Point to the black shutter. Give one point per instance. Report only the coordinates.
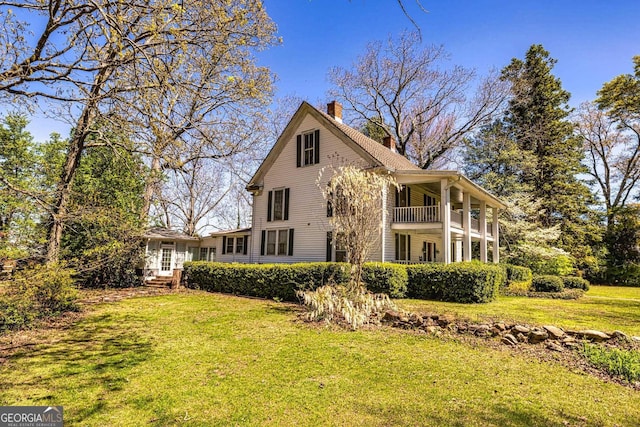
(286, 204)
(408, 196)
(329, 248)
(246, 245)
(316, 149)
(224, 245)
(263, 241)
(290, 242)
(299, 150)
(269, 205)
(408, 247)
(398, 197)
(329, 209)
(424, 200)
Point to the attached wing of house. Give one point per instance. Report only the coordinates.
(439, 216)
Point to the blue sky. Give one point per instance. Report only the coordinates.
(593, 41)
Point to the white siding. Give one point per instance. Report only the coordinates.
(307, 209)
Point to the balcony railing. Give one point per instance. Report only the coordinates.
(416, 214)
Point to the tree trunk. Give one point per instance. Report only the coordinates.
(150, 187)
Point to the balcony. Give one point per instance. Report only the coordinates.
(413, 214)
(431, 214)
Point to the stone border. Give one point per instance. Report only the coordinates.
(510, 334)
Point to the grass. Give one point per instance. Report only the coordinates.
(201, 359)
(606, 308)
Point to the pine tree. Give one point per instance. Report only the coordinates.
(537, 120)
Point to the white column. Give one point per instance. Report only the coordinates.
(458, 250)
(466, 225)
(496, 237)
(483, 231)
(445, 217)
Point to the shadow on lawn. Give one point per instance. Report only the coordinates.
(93, 359)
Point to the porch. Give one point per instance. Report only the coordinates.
(446, 209)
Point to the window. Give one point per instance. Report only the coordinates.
(229, 245)
(212, 254)
(403, 247)
(271, 242)
(165, 262)
(278, 205)
(403, 197)
(240, 245)
(428, 252)
(277, 242)
(341, 250)
(308, 148)
(204, 254)
(429, 200)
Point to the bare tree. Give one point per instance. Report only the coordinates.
(356, 200)
(612, 156)
(108, 60)
(425, 106)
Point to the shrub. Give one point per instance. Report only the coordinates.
(559, 265)
(572, 282)
(339, 305)
(35, 293)
(468, 282)
(547, 283)
(387, 278)
(518, 278)
(280, 281)
(619, 362)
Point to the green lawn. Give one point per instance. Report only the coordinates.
(207, 359)
(605, 308)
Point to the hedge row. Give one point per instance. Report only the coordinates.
(280, 281)
(468, 282)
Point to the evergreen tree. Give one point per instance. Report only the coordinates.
(537, 121)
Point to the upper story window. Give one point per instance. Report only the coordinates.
(278, 205)
(308, 148)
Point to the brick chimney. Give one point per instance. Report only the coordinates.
(390, 143)
(334, 109)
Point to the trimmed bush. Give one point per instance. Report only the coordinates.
(559, 265)
(279, 281)
(468, 282)
(572, 282)
(547, 283)
(386, 278)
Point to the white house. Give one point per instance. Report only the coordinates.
(438, 216)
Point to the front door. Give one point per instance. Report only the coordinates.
(166, 261)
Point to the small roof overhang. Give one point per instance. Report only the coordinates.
(243, 231)
(167, 234)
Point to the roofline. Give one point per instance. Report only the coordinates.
(305, 107)
(234, 231)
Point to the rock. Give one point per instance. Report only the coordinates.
(594, 335)
(462, 327)
(619, 335)
(572, 344)
(566, 340)
(496, 331)
(431, 329)
(554, 346)
(445, 319)
(391, 316)
(509, 339)
(500, 326)
(512, 340)
(536, 336)
(483, 330)
(637, 339)
(521, 337)
(554, 333)
(521, 329)
(415, 319)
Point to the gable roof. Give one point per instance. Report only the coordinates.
(376, 154)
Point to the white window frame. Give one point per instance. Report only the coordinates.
(240, 245)
(274, 211)
(230, 243)
(308, 149)
(275, 250)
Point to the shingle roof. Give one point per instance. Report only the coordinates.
(165, 233)
(235, 230)
(379, 152)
